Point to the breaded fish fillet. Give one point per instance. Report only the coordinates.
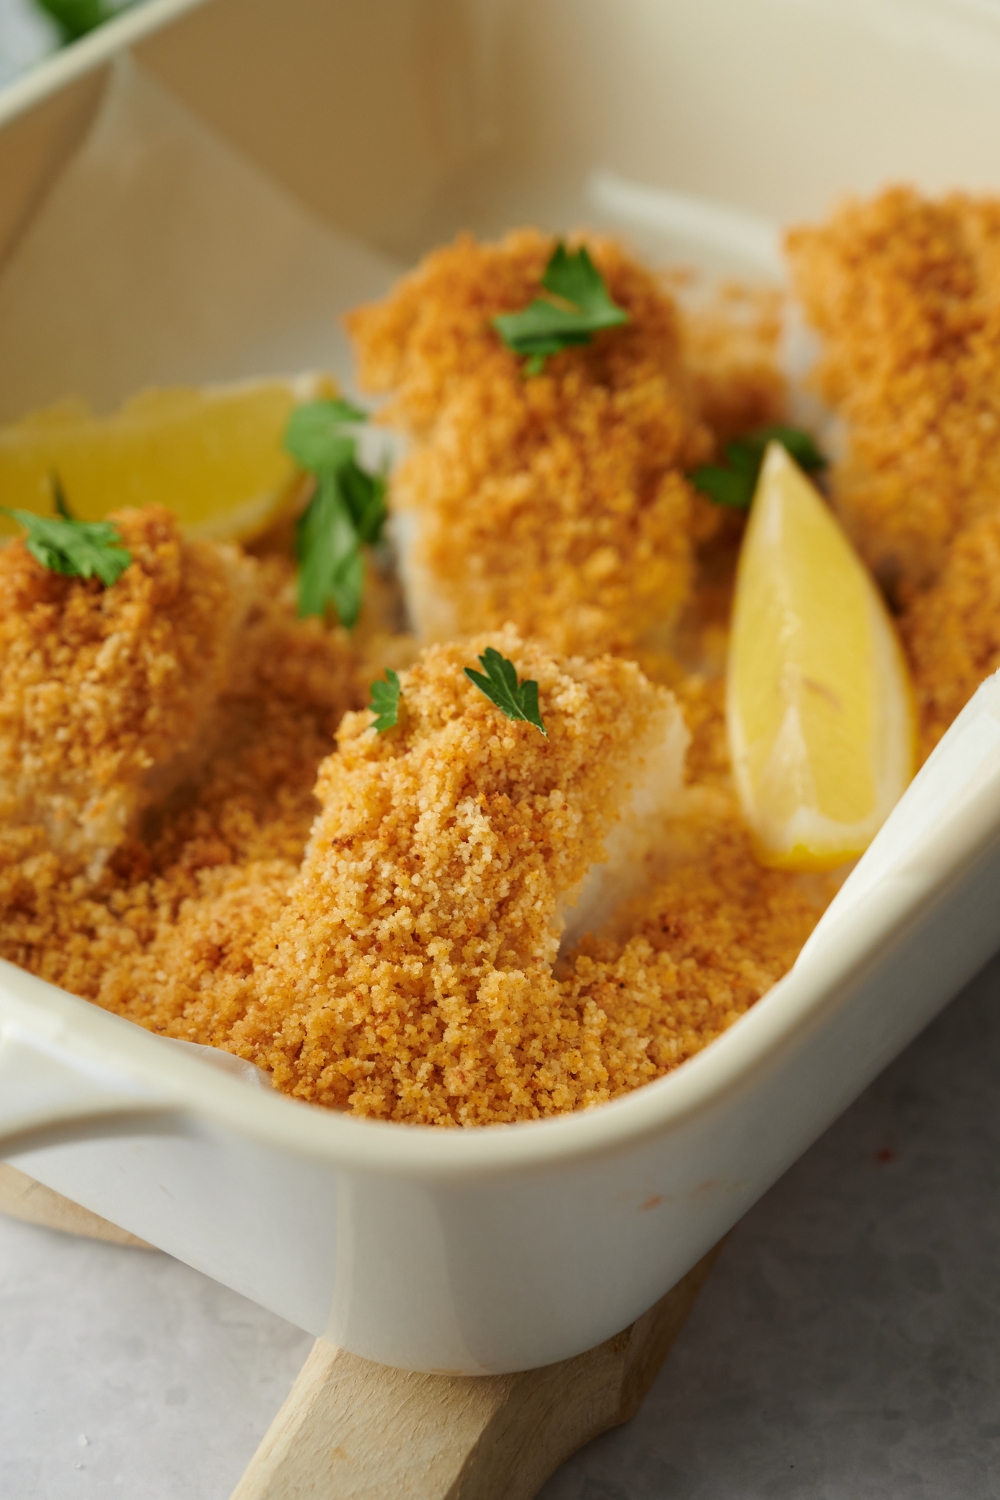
(558, 501)
(162, 936)
(106, 694)
(410, 973)
(905, 293)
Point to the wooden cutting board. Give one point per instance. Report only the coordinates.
(354, 1430)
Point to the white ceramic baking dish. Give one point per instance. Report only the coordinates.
(397, 121)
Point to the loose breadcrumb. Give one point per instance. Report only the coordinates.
(905, 292)
(557, 501)
(693, 954)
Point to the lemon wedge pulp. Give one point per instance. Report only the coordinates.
(819, 706)
(212, 455)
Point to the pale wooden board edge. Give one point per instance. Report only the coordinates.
(23, 1198)
(353, 1430)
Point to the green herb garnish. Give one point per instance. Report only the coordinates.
(77, 549)
(347, 510)
(59, 499)
(500, 685)
(386, 701)
(75, 18)
(547, 327)
(734, 483)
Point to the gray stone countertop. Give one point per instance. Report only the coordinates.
(845, 1347)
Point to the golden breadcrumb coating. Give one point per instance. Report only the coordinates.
(410, 973)
(905, 292)
(951, 630)
(557, 501)
(104, 692)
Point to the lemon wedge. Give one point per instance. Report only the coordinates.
(820, 711)
(213, 455)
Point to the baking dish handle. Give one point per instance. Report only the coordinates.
(50, 1095)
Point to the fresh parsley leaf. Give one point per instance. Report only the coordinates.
(75, 18)
(365, 496)
(315, 434)
(347, 510)
(724, 486)
(548, 326)
(59, 498)
(328, 546)
(500, 685)
(734, 483)
(386, 701)
(77, 549)
(798, 443)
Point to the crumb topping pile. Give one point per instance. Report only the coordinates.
(398, 961)
(201, 830)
